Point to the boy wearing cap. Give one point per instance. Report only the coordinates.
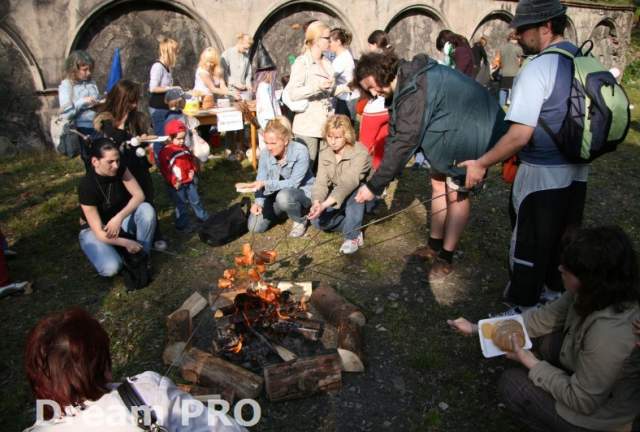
(179, 168)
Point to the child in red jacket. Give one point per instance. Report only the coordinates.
(179, 168)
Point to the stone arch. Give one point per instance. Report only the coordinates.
(413, 25)
(134, 27)
(20, 81)
(570, 32)
(606, 46)
(495, 28)
(281, 30)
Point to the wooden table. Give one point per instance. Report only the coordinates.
(210, 117)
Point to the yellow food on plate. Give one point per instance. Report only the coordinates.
(504, 330)
(487, 330)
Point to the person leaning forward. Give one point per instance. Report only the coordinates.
(549, 191)
(448, 116)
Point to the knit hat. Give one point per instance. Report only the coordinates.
(173, 127)
(536, 11)
(173, 94)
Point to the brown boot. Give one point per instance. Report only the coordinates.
(440, 269)
(424, 252)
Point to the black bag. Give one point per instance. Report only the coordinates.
(227, 225)
(136, 269)
(70, 142)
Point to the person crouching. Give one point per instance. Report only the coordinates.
(179, 168)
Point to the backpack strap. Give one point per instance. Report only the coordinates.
(135, 404)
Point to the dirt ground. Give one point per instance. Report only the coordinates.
(419, 374)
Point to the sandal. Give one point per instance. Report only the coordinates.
(440, 270)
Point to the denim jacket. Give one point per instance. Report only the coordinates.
(293, 172)
(72, 104)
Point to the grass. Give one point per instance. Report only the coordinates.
(406, 339)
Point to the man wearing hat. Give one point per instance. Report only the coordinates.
(549, 192)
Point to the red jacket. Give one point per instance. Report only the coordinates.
(177, 164)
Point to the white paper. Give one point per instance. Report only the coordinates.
(489, 349)
(230, 121)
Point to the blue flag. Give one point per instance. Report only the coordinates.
(116, 70)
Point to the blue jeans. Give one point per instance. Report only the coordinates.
(347, 218)
(503, 96)
(184, 196)
(158, 116)
(292, 202)
(104, 257)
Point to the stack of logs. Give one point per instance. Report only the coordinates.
(293, 378)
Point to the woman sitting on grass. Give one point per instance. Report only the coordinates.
(343, 164)
(112, 201)
(283, 184)
(586, 375)
(68, 365)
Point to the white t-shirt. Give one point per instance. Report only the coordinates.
(375, 106)
(199, 84)
(110, 414)
(343, 67)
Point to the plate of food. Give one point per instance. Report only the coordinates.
(152, 138)
(495, 335)
(245, 188)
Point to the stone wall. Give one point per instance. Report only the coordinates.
(37, 35)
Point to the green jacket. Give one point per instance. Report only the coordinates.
(446, 114)
(602, 389)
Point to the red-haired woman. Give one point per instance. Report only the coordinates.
(68, 365)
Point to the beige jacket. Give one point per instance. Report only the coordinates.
(304, 83)
(340, 179)
(602, 392)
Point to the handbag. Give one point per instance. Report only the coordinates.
(201, 149)
(297, 106)
(66, 140)
(227, 225)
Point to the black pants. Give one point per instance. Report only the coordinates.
(529, 404)
(542, 220)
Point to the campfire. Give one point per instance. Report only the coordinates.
(285, 337)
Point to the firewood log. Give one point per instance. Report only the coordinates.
(334, 308)
(303, 377)
(350, 347)
(179, 326)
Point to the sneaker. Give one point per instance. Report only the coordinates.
(350, 246)
(16, 287)
(298, 229)
(547, 295)
(160, 245)
(517, 310)
(10, 253)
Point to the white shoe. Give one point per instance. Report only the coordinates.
(15, 287)
(517, 310)
(298, 229)
(160, 245)
(547, 295)
(350, 246)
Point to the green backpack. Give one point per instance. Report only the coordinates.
(598, 115)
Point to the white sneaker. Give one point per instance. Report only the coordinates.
(15, 287)
(547, 295)
(351, 246)
(298, 229)
(160, 245)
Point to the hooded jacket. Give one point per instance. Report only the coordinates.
(446, 114)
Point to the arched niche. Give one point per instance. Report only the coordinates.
(495, 27)
(19, 82)
(414, 31)
(134, 27)
(282, 31)
(606, 46)
(570, 32)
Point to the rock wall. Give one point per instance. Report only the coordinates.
(37, 35)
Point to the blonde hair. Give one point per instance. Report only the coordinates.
(75, 61)
(341, 122)
(280, 126)
(313, 33)
(209, 59)
(167, 49)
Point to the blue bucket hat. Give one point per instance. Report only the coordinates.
(536, 11)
